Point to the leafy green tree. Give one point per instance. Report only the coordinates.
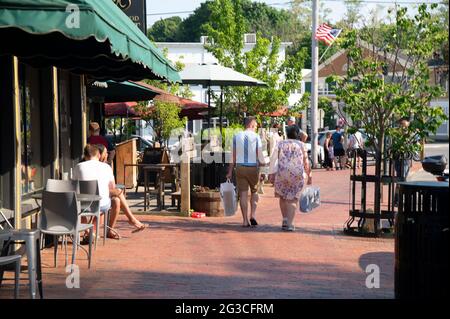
(326, 104)
(377, 92)
(259, 17)
(270, 22)
(165, 30)
(164, 117)
(227, 28)
(191, 28)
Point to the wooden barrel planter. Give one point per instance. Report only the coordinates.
(208, 202)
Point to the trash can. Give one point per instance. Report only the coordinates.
(422, 241)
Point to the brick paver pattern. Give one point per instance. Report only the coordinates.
(179, 257)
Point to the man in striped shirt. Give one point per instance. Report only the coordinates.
(247, 157)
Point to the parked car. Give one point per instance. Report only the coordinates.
(320, 151)
(141, 143)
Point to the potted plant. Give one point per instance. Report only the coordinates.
(207, 200)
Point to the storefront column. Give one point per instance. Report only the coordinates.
(17, 145)
(56, 164)
(83, 112)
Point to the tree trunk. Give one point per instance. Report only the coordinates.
(378, 185)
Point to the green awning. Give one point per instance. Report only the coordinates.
(106, 45)
(112, 91)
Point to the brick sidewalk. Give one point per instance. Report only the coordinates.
(179, 257)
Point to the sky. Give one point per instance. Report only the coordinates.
(183, 8)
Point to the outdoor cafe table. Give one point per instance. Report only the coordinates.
(159, 170)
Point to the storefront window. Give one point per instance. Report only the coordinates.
(30, 125)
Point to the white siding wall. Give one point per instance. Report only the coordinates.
(442, 132)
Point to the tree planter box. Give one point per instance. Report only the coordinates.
(208, 202)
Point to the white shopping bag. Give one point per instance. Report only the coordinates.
(229, 201)
(309, 199)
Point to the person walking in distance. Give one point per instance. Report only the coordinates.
(247, 156)
(338, 148)
(356, 147)
(328, 152)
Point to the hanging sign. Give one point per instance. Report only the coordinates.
(136, 10)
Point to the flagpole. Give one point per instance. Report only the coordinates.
(323, 54)
(329, 46)
(314, 83)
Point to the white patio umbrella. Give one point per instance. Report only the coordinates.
(209, 75)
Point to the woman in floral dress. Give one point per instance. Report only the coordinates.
(288, 164)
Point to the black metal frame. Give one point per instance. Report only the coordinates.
(360, 215)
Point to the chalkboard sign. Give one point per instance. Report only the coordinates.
(136, 11)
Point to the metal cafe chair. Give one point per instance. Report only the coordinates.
(92, 209)
(57, 185)
(59, 217)
(29, 237)
(6, 260)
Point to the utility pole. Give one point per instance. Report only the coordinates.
(314, 83)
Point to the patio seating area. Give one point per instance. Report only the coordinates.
(179, 257)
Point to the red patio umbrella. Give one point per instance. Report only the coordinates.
(120, 109)
(189, 108)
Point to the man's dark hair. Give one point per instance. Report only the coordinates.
(248, 120)
(293, 132)
(90, 151)
(338, 127)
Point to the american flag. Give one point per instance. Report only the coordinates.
(327, 34)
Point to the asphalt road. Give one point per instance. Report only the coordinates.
(436, 149)
(430, 150)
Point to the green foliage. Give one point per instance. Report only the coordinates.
(165, 30)
(301, 105)
(326, 104)
(190, 29)
(165, 118)
(375, 97)
(259, 17)
(227, 28)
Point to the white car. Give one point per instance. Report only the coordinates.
(320, 152)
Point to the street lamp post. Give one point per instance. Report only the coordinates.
(314, 83)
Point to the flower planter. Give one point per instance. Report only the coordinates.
(208, 202)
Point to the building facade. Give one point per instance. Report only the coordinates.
(44, 74)
(195, 53)
(338, 63)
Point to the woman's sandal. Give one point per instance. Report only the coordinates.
(113, 235)
(85, 239)
(138, 229)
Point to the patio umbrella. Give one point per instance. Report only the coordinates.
(120, 109)
(209, 75)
